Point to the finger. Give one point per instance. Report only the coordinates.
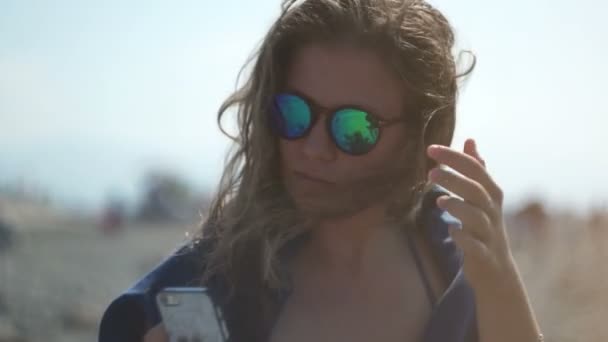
(468, 189)
(473, 220)
(470, 148)
(468, 166)
(470, 246)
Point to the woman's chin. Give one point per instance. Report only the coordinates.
(326, 207)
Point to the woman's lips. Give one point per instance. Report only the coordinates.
(308, 177)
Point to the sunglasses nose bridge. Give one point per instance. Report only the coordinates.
(320, 112)
(318, 143)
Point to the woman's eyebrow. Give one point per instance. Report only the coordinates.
(308, 97)
(292, 89)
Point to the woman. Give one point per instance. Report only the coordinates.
(331, 223)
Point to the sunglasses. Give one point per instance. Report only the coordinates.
(355, 131)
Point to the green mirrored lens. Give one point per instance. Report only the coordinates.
(293, 115)
(353, 131)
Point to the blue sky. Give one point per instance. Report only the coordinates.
(94, 93)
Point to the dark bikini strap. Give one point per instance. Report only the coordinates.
(420, 267)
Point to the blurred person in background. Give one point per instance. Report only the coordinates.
(6, 232)
(332, 222)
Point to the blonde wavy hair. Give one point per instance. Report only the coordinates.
(251, 217)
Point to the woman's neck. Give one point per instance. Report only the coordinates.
(350, 247)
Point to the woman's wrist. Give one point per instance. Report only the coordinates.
(504, 309)
(504, 279)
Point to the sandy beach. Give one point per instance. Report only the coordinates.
(55, 283)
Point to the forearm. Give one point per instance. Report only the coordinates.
(504, 313)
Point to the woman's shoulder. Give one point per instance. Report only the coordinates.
(130, 314)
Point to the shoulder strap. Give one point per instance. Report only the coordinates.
(420, 267)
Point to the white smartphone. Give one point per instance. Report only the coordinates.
(189, 315)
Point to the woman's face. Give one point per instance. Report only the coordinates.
(331, 76)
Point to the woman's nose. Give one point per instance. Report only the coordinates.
(318, 144)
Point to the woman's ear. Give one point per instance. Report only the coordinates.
(439, 130)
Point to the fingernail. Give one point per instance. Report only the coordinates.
(475, 145)
(441, 201)
(432, 150)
